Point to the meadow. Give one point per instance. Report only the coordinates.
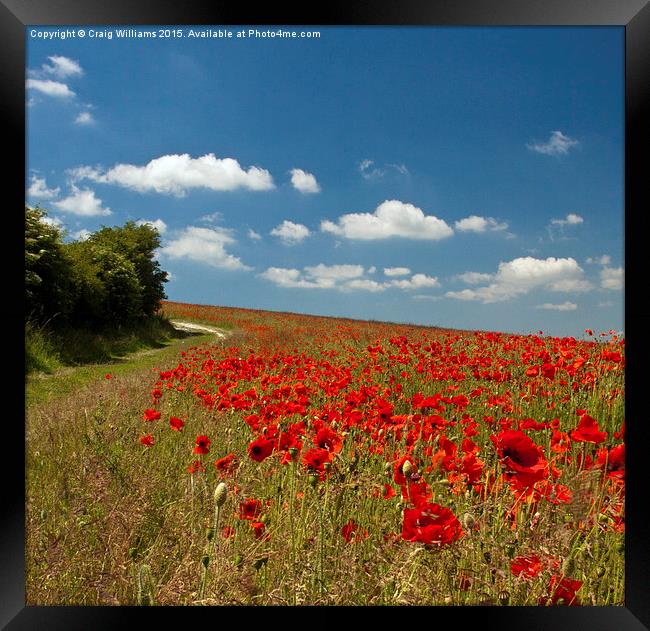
(322, 461)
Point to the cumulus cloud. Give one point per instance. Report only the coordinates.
(38, 189)
(565, 306)
(62, 67)
(612, 278)
(254, 235)
(50, 88)
(304, 182)
(175, 174)
(83, 203)
(474, 278)
(397, 271)
(313, 277)
(291, 233)
(84, 118)
(204, 245)
(557, 144)
(392, 218)
(158, 224)
(475, 223)
(344, 278)
(524, 274)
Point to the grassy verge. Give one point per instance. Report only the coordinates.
(47, 349)
(58, 363)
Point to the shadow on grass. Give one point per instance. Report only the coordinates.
(48, 349)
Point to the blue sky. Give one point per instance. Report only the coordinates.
(460, 177)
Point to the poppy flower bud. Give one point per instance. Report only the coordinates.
(293, 452)
(504, 597)
(388, 469)
(468, 521)
(313, 479)
(600, 571)
(407, 468)
(510, 550)
(220, 494)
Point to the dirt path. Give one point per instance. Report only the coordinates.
(191, 327)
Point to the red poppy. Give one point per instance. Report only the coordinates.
(261, 448)
(316, 458)
(196, 466)
(327, 438)
(202, 445)
(526, 566)
(227, 464)
(351, 531)
(147, 440)
(588, 431)
(176, 424)
(151, 415)
(522, 458)
(258, 529)
(615, 461)
(250, 509)
(431, 523)
(562, 589)
(108, 375)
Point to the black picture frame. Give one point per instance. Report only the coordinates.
(633, 15)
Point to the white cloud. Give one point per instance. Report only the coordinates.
(62, 67)
(291, 233)
(372, 269)
(52, 221)
(38, 189)
(521, 275)
(612, 278)
(370, 172)
(570, 220)
(254, 235)
(417, 281)
(557, 144)
(364, 284)
(175, 174)
(341, 277)
(81, 235)
(565, 306)
(474, 223)
(204, 245)
(158, 224)
(313, 277)
(304, 182)
(397, 271)
(82, 202)
(366, 170)
(605, 259)
(84, 118)
(392, 218)
(474, 278)
(214, 217)
(50, 88)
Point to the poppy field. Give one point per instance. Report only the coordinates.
(323, 461)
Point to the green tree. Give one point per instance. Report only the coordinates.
(47, 269)
(138, 244)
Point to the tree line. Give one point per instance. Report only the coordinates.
(110, 278)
